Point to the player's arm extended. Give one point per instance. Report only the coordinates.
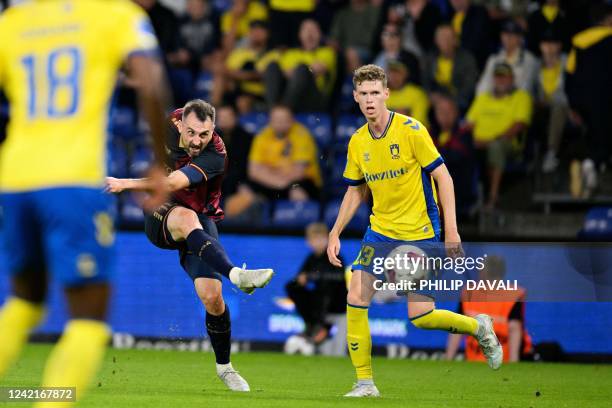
(177, 180)
(350, 203)
(446, 194)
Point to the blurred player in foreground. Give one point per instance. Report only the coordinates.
(405, 210)
(58, 76)
(196, 164)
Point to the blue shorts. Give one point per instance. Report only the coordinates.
(375, 237)
(156, 229)
(363, 261)
(67, 232)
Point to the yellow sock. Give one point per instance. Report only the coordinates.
(446, 320)
(359, 340)
(75, 359)
(17, 318)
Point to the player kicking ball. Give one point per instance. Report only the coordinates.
(404, 211)
(196, 162)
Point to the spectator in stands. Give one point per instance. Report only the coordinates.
(523, 63)
(240, 202)
(236, 21)
(319, 287)
(391, 40)
(551, 106)
(176, 58)
(404, 97)
(589, 89)
(286, 18)
(200, 35)
(245, 65)
(498, 118)
(450, 69)
(238, 144)
(418, 20)
(500, 10)
(507, 308)
(473, 28)
(353, 32)
(454, 142)
(549, 17)
(283, 161)
(304, 77)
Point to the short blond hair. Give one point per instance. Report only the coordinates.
(316, 228)
(369, 72)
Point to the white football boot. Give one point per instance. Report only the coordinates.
(232, 378)
(363, 390)
(488, 342)
(247, 280)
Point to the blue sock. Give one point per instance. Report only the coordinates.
(208, 249)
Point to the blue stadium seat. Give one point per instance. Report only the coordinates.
(347, 125)
(253, 122)
(597, 224)
(130, 213)
(181, 80)
(142, 157)
(222, 5)
(335, 185)
(319, 125)
(289, 214)
(203, 85)
(346, 102)
(123, 123)
(359, 223)
(116, 160)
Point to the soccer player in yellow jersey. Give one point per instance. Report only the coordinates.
(394, 157)
(59, 61)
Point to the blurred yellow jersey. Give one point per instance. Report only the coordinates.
(58, 66)
(396, 167)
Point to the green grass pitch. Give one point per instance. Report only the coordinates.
(146, 378)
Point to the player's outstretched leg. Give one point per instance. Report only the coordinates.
(358, 336)
(184, 224)
(424, 315)
(218, 327)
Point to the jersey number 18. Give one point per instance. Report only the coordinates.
(62, 70)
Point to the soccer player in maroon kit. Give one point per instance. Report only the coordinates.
(196, 161)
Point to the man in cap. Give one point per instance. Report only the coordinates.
(513, 53)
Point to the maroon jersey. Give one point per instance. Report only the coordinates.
(203, 196)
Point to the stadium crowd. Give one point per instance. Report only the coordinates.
(503, 86)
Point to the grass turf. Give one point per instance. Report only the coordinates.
(146, 378)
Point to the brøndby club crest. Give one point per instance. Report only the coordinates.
(395, 152)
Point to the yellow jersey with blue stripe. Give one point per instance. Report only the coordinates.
(58, 67)
(396, 167)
